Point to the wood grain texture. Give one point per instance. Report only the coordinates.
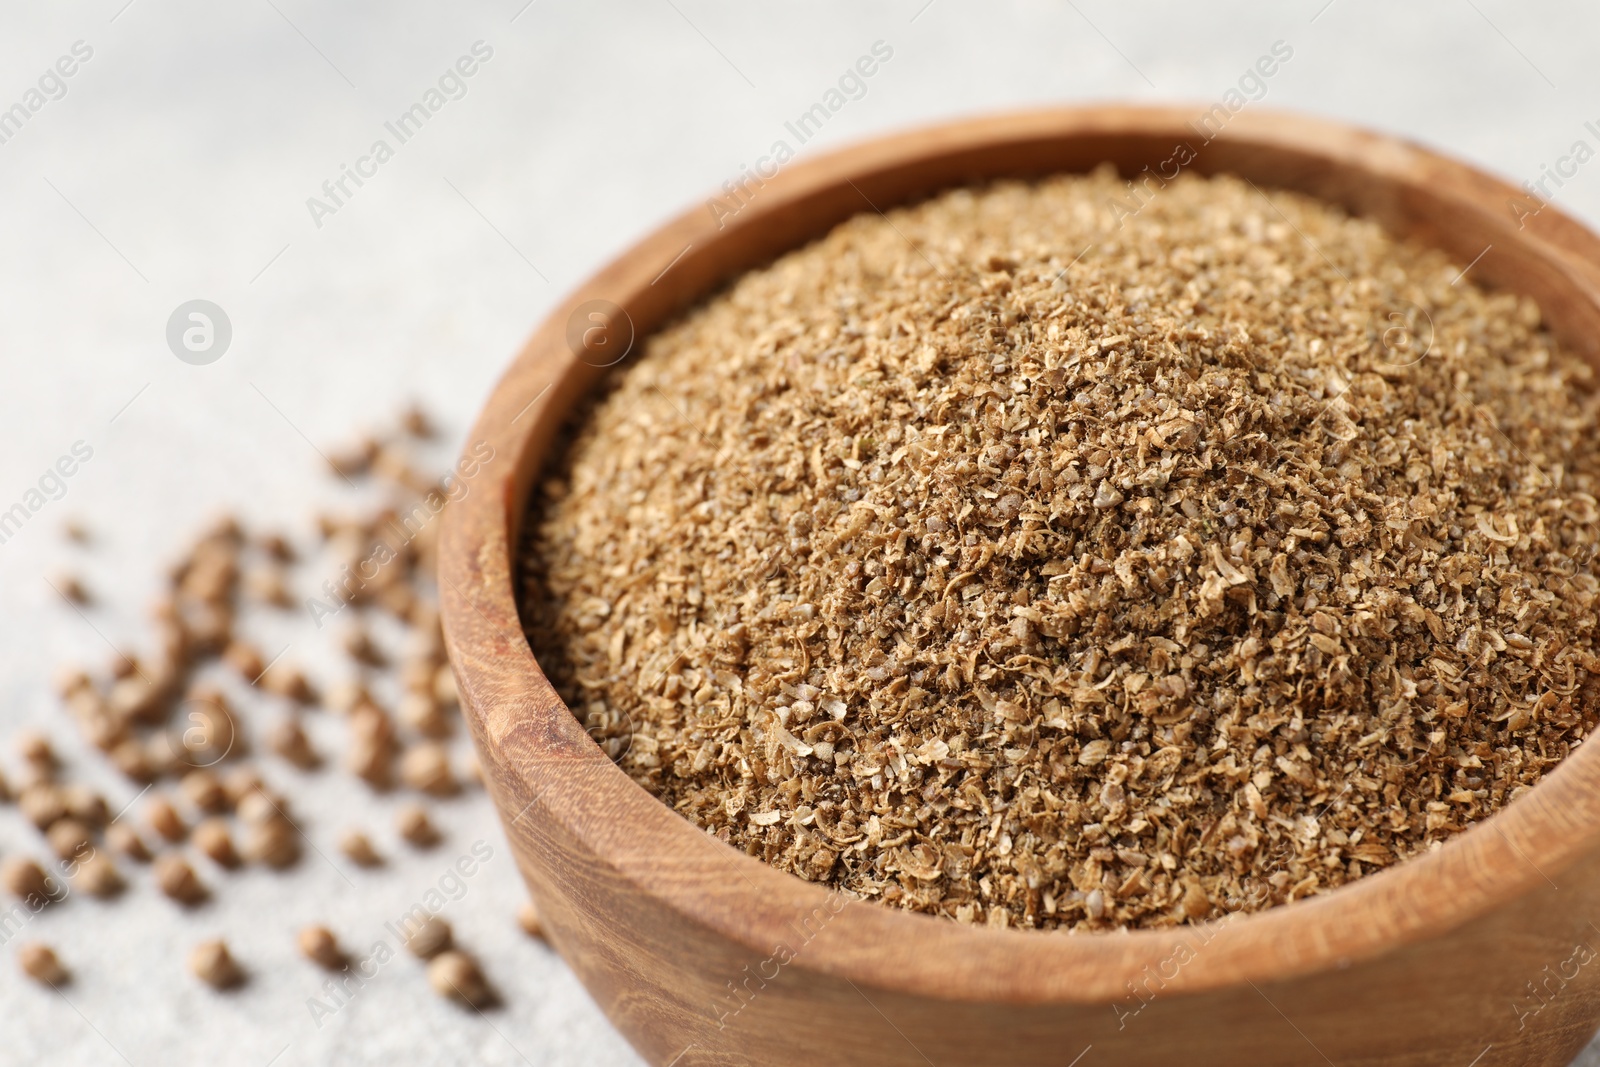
(702, 955)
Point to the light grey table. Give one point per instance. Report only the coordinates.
(179, 161)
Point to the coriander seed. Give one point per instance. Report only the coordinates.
(358, 847)
(425, 767)
(68, 837)
(85, 805)
(35, 748)
(288, 739)
(528, 919)
(177, 880)
(125, 840)
(39, 962)
(318, 944)
(428, 937)
(211, 837)
(130, 758)
(456, 975)
(98, 876)
(413, 824)
(205, 791)
(27, 881)
(42, 804)
(164, 819)
(422, 713)
(273, 842)
(213, 964)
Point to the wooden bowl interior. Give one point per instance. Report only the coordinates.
(541, 761)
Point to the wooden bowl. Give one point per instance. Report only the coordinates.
(1476, 954)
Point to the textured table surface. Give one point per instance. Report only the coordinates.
(177, 162)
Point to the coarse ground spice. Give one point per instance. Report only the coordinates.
(1244, 555)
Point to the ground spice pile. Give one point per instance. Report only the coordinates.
(963, 568)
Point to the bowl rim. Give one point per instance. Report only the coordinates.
(543, 748)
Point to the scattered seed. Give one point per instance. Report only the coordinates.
(422, 713)
(273, 842)
(278, 547)
(358, 847)
(318, 944)
(26, 880)
(98, 876)
(261, 805)
(415, 422)
(426, 767)
(68, 837)
(212, 837)
(456, 975)
(393, 465)
(288, 739)
(348, 695)
(213, 964)
(178, 880)
(355, 461)
(267, 585)
(398, 599)
(70, 681)
(132, 719)
(130, 758)
(85, 805)
(371, 750)
(164, 819)
(288, 681)
(42, 804)
(240, 783)
(205, 791)
(133, 699)
(444, 686)
(125, 841)
(39, 962)
(425, 646)
(528, 919)
(358, 646)
(72, 588)
(413, 824)
(169, 755)
(428, 937)
(417, 675)
(245, 659)
(35, 748)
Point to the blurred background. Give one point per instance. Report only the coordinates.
(197, 151)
